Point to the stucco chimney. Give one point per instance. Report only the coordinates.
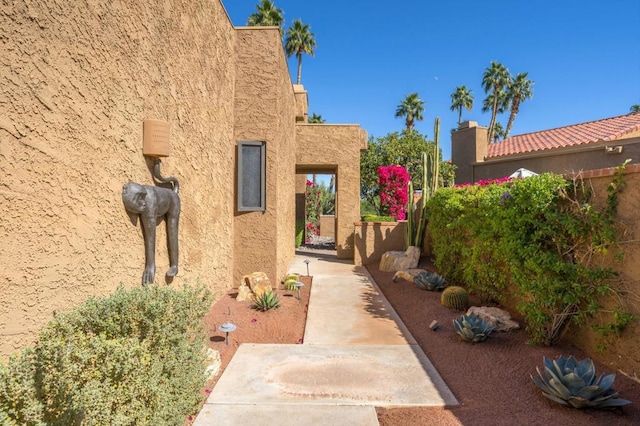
(468, 146)
(302, 103)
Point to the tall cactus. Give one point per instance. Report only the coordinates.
(416, 213)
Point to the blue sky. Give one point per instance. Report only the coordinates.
(584, 57)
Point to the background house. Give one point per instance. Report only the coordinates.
(585, 146)
(77, 81)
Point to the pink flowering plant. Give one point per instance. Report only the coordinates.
(486, 182)
(312, 211)
(393, 181)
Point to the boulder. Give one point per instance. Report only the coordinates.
(397, 260)
(258, 282)
(244, 293)
(497, 317)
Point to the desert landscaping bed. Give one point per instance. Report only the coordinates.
(491, 380)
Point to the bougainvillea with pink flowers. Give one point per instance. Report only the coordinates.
(486, 182)
(393, 181)
(312, 211)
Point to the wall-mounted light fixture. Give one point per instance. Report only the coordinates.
(613, 149)
(156, 138)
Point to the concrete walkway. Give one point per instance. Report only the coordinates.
(357, 355)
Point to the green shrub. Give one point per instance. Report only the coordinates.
(136, 357)
(299, 233)
(540, 235)
(375, 218)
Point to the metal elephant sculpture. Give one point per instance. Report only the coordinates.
(152, 204)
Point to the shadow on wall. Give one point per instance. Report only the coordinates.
(373, 239)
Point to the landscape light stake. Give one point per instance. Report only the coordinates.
(297, 285)
(307, 261)
(227, 327)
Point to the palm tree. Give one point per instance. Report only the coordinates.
(316, 119)
(494, 81)
(519, 90)
(461, 98)
(299, 40)
(267, 15)
(499, 101)
(412, 108)
(498, 132)
(635, 108)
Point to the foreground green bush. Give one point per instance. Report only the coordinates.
(134, 358)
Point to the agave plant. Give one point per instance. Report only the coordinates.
(267, 300)
(570, 382)
(429, 281)
(473, 328)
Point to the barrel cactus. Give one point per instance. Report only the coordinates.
(455, 297)
(570, 382)
(473, 328)
(290, 280)
(429, 281)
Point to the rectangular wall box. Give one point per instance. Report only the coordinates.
(156, 138)
(252, 176)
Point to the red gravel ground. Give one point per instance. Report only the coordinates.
(491, 380)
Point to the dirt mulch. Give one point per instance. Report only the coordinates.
(491, 380)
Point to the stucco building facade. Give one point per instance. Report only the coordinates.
(584, 146)
(77, 82)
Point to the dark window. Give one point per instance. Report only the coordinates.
(251, 176)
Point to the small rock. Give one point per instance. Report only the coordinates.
(407, 274)
(497, 317)
(434, 325)
(213, 363)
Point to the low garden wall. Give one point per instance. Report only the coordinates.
(372, 239)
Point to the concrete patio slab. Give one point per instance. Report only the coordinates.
(377, 375)
(287, 415)
(351, 310)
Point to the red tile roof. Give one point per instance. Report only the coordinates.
(607, 129)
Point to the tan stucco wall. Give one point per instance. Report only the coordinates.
(373, 239)
(468, 145)
(327, 226)
(76, 82)
(265, 111)
(335, 147)
(624, 350)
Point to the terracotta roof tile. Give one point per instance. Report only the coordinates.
(607, 129)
